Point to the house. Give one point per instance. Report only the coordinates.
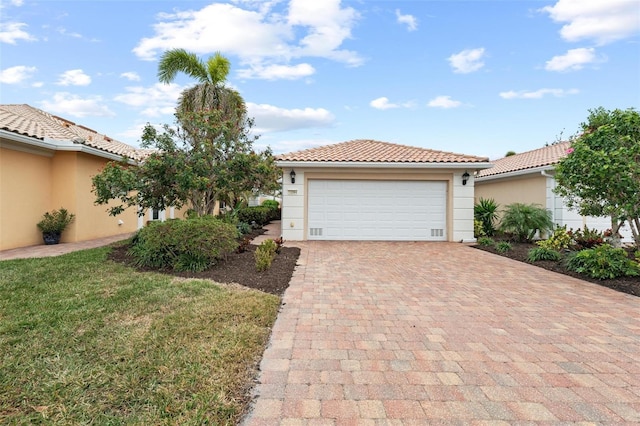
(529, 178)
(47, 162)
(372, 190)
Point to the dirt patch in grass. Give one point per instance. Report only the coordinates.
(519, 251)
(238, 268)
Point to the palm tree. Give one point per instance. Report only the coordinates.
(210, 93)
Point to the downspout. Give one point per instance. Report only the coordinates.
(553, 210)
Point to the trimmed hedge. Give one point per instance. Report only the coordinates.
(184, 245)
(259, 214)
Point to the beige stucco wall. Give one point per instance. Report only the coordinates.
(521, 189)
(24, 197)
(460, 198)
(32, 183)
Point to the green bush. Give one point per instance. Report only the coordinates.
(184, 245)
(524, 220)
(603, 262)
(486, 241)
(243, 228)
(486, 211)
(543, 253)
(56, 221)
(503, 247)
(258, 214)
(560, 239)
(275, 208)
(264, 254)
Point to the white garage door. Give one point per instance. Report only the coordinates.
(376, 210)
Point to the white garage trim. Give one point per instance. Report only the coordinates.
(388, 210)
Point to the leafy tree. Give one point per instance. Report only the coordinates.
(600, 176)
(207, 156)
(188, 168)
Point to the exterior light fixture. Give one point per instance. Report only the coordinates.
(293, 176)
(465, 177)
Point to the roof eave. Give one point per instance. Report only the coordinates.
(516, 173)
(386, 165)
(47, 147)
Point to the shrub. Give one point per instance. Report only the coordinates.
(478, 230)
(264, 254)
(486, 211)
(184, 245)
(524, 220)
(275, 208)
(486, 241)
(243, 228)
(543, 253)
(603, 262)
(560, 239)
(503, 247)
(56, 221)
(587, 238)
(258, 214)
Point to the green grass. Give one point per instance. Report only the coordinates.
(88, 341)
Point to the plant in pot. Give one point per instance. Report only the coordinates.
(53, 223)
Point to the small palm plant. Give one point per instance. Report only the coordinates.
(486, 211)
(524, 220)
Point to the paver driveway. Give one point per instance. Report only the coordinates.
(423, 333)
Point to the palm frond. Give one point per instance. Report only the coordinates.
(179, 60)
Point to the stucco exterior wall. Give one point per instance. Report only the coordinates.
(24, 197)
(526, 190)
(32, 183)
(459, 198)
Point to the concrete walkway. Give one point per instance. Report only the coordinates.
(374, 333)
(58, 249)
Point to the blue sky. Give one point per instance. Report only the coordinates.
(473, 77)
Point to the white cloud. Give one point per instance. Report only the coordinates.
(70, 104)
(17, 74)
(275, 72)
(383, 103)
(131, 76)
(74, 78)
(469, 60)
(261, 38)
(409, 20)
(574, 59)
(269, 118)
(443, 102)
(597, 20)
(538, 94)
(155, 101)
(10, 32)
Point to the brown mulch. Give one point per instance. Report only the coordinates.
(239, 268)
(519, 251)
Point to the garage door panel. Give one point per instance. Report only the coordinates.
(376, 210)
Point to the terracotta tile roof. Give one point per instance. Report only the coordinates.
(33, 122)
(370, 151)
(540, 157)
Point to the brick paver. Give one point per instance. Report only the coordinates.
(415, 333)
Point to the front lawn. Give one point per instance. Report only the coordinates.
(84, 340)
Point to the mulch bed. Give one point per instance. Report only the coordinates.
(239, 268)
(519, 251)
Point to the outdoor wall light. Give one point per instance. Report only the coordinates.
(465, 177)
(293, 176)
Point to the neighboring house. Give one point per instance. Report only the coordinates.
(47, 162)
(529, 178)
(371, 190)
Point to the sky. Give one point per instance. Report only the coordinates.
(472, 77)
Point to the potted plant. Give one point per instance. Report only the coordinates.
(53, 223)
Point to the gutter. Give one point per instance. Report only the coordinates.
(37, 146)
(380, 165)
(542, 169)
